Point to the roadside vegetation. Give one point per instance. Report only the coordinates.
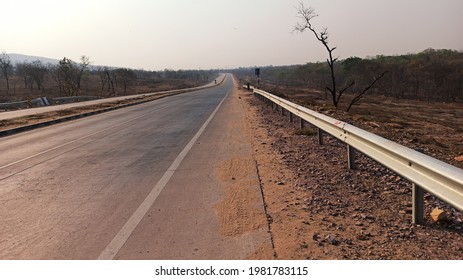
(32, 79)
(414, 99)
(418, 103)
(431, 75)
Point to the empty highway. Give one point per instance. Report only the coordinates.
(143, 182)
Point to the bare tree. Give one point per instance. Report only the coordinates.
(6, 67)
(22, 70)
(37, 72)
(111, 75)
(125, 76)
(54, 71)
(69, 74)
(307, 15)
(84, 63)
(103, 77)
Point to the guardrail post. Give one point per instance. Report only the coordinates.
(418, 204)
(302, 123)
(320, 136)
(350, 157)
(291, 117)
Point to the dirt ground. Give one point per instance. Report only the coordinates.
(91, 86)
(319, 209)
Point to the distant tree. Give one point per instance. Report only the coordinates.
(84, 63)
(54, 71)
(6, 68)
(37, 72)
(126, 77)
(103, 76)
(112, 77)
(68, 74)
(22, 70)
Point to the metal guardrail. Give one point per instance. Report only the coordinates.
(426, 173)
(14, 105)
(72, 99)
(45, 101)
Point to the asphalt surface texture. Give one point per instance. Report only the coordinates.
(136, 183)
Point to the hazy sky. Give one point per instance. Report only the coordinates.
(193, 34)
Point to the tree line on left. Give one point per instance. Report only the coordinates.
(70, 78)
(67, 75)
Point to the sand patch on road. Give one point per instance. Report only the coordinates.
(240, 211)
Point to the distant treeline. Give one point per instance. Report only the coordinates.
(429, 75)
(69, 78)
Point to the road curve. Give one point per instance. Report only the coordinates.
(68, 191)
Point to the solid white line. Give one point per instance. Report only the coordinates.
(123, 235)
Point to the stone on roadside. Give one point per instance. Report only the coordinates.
(374, 124)
(332, 240)
(395, 125)
(438, 215)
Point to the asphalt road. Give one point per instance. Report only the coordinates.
(135, 183)
(41, 110)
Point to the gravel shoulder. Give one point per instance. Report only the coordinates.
(319, 209)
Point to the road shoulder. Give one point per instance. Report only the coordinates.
(212, 207)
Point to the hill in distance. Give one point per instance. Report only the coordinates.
(19, 58)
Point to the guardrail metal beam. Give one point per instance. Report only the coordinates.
(426, 173)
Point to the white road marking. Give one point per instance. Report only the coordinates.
(123, 235)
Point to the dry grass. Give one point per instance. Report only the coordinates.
(91, 86)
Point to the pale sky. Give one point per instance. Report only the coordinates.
(204, 34)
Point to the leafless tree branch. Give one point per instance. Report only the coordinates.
(365, 90)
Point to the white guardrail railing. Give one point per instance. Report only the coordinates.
(426, 173)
